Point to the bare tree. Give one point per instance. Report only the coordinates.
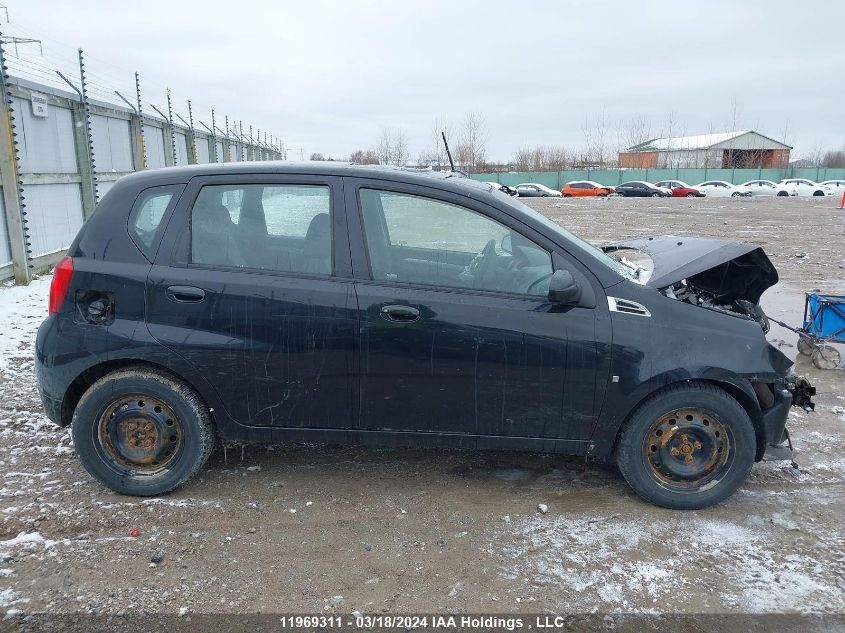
(786, 134)
(835, 158)
(634, 131)
(401, 154)
(384, 148)
(595, 140)
(470, 151)
(816, 155)
(392, 148)
(364, 157)
(521, 161)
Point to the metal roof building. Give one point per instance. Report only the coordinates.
(741, 149)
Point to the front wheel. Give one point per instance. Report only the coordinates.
(687, 447)
(782, 193)
(690, 195)
(655, 195)
(736, 194)
(142, 432)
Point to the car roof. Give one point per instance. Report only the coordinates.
(453, 181)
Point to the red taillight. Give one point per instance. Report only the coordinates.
(61, 282)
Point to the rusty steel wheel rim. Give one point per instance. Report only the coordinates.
(140, 433)
(688, 449)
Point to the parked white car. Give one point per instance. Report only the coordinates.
(836, 186)
(503, 188)
(536, 190)
(767, 188)
(723, 189)
(805, 187)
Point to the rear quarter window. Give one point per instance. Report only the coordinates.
(148, 217)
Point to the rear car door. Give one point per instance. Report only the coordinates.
(253, 288)
(457, 333)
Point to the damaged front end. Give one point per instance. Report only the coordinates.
(723, 276)
(726, 277)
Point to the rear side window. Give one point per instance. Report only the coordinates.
(284, 228)
(148, 212)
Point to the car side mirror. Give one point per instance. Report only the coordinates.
(563, 288)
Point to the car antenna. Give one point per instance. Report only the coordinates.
(449, 155)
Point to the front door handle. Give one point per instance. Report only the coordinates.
(185, 294)
(400, 313)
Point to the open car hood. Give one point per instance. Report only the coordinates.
(729, 271)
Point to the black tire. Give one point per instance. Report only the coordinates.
(736, 194)
(142, 432)
(782, 193)
(818, 193)
(656, 195)
(720, 428)
(690, 195)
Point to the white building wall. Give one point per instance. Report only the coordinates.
(5, 246)
(54, 215)
(181, 148)
(202, 149)
(154, 143)
(46, 145)
(112, 144)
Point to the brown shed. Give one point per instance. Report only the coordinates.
(744, 149)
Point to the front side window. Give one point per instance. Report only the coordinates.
(413, 239)
(284, 228)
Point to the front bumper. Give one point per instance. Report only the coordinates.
(794, 391)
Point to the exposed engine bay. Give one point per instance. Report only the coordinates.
(724, 276)
(688, 293)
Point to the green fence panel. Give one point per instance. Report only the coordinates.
(613, 177)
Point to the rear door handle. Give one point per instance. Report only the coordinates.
(185, 294)
(402, 314)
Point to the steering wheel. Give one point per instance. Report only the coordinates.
(537, 281)
(483, 262)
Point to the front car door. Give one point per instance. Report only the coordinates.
(457, 333)
(253, 288)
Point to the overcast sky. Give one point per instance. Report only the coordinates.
(329, 76)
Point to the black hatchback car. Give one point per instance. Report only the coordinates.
(270, 302)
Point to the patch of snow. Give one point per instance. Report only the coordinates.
(28, 538)
(682, 563)
(22, 308)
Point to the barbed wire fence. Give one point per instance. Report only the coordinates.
(70, 130)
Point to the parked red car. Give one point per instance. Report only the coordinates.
(680, 189)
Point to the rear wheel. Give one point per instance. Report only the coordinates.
(736, 194)
(818, 193)
(690, 195)
(140, 431)
(782, 193)
(655, 195)
(687, 447)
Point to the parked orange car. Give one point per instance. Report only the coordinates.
(578, 188)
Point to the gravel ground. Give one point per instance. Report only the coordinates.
(338, 530)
